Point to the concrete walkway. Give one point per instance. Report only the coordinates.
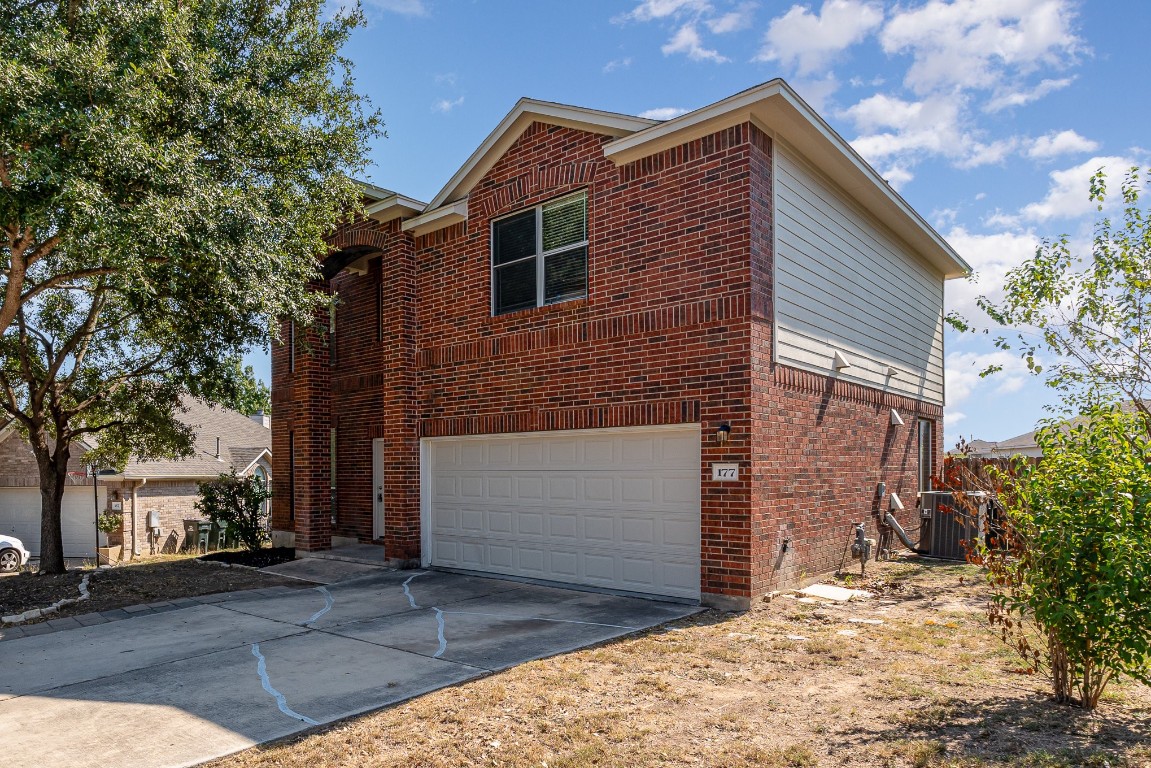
(179, 687)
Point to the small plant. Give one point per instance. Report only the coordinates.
(239, 503)
(109, 521)
(1069, 559)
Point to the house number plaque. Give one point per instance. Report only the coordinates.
(724, 472)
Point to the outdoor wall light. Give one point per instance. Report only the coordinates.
(723, 433)
(896, 419)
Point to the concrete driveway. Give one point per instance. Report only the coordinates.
(182, 687)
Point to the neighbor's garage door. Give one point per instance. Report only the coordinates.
(20, 517)
(616, 508)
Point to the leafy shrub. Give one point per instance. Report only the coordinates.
(239, 502)
(1070, 565)
(109, 521)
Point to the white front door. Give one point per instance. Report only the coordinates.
(377, 488)
(614, 508)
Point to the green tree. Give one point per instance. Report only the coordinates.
(1071, 564)
(168, 172)
(238, 502)
(1091, 315)
(245, 393)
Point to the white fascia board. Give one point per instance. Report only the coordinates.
(394, 207)
(372, 192)
(776, 109)
(438, 218)
(266, 452)
(525, 112)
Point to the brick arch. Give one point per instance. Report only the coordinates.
(354, 240)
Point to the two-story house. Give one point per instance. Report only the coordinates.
(669, 358)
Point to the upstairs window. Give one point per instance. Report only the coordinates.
(539, 256)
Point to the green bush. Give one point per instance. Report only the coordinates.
(1071, 568)
(239, 502)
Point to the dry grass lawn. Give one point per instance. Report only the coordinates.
(784, 685)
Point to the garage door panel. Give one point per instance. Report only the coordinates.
(599, 529)
(563, 488)
(563, 526)
(612, 508)
(530, 524)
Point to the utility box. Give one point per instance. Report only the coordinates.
(946, 526)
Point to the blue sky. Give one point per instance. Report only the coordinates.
(988, 115)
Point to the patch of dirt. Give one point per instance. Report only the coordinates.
(261, 558)
(27, 590)
(149, 581)
(930, 687)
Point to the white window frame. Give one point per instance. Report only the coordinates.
(540, 254)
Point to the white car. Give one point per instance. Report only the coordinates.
(12, 553)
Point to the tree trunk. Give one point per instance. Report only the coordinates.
(52, 462)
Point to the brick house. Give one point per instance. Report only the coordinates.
(668, 358)
(224, 439)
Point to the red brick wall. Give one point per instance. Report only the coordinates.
(301, 414)
(676, 328)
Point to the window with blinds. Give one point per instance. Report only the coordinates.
(539, 256)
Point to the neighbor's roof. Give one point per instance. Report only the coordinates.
(773, 106)
(243, 442)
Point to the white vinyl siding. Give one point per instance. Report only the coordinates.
(611, 508)
(844, 283)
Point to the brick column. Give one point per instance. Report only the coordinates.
(301, 421)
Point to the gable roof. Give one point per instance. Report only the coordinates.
(524, 113)
(773, 107)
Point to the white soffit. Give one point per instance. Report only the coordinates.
(777, 110)
(525, 112)
(438, 218)
(394, 207)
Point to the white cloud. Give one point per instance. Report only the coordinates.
(615, 64)
(447, 78)
(663, 113)
(951, 418)
(961, 374)
(446, 105)
(402, 7)
(687, 41)
(1017, 98)
(649, 10)
(977, 153)
(1062, 143)
(1067, 194)
(897, 176)
(991, 257)
(980, 43)
(894, 127)
(808, 41)
(733, 21)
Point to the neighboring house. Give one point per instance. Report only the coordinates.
(1026, 444)
(1020, 445)
(20, 497)
(654, 357)
(224, 439)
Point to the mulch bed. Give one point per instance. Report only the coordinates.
(153, 580)
(261, 558)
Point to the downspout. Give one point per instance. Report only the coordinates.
(135, 541)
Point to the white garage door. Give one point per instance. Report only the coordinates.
(613, 508)
(20, 517)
